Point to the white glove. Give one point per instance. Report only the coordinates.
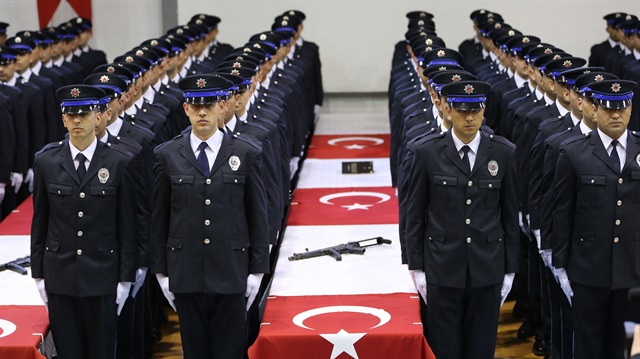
(546, 257)
(420, 282)
(506, 287)
(141, 274)
(564, 282)
(1, 194)
(16, 181)
(520, 222)
(42, 291)
(270, 247)
(253, 284)
(536, 233)
(163, 280)
(293, 165)
(28, 179)
(122, 293)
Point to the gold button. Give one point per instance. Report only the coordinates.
(208, 181)
(616, 240)
(207, 241)
(207, 202)
(81, 194)
(470, 183)
(79, 251)
(80, 214)
(80, 233)
(620, 180)
(467, 221)
(207, 222)
(468, 202)
(468, 239)
(619, 203)
(617, 222)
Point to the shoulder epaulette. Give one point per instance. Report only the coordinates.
(502, 140)
(51, 145)
(168, 142)
(247, 140)
(574, 139)
(635, 133)
(119, 148)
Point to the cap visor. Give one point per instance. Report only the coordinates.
(615, 105)
(74, 110)
(467, 106)
(208, 100)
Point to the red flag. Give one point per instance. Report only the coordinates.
(47, 9)
(17, 328)
(349, 146)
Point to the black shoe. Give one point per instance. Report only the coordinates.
(541, 348)
(525, 331)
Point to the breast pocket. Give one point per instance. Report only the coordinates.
(180, 185)
(490, 189)
(443, 190)
(592, 189)
(59, 194)
(234, 186)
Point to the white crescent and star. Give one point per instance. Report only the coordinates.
(343, 341)
(375, 140)
(328, 198)
(7, 328)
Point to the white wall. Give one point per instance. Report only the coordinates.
(356, 37)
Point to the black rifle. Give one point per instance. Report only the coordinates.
(337, 251)
(17, 265)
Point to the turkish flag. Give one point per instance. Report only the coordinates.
(18, 323)
(19, 221)
(47, 9)
(341, 326)
(349, 146)
(356, 205)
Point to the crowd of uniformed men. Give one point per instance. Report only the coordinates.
(178, 159)
(510, 131)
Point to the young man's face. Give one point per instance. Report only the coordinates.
(81, 126)
(205, 118)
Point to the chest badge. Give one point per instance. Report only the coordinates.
(638, 160)
(493, 168)
(234, 163)
(103, 175)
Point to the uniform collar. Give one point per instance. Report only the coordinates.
(583, 128)
(574, 119)
(519, 80)
(473, 145)
(115, 127)
(612, 43)
(36, 68)
(232, 123)
(563, 111)
(88, 152)
(214, 141)
(606, 140)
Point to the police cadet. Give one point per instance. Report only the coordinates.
(83, 240)
(211, 259)
(462, 227)
(3, 32)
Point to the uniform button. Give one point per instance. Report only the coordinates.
(620, 180)
(58, 192)
(616, 240)
(444, 183)
(81, 194)
(619, 203)
(208, 181)
(467, 221)
(207, 241)
(468, 202)
(235, 181)
(80, 233)
(80, 214)
(592, 181)
(490, 185)
(617, 222)
(79, 251)
(470, 183)
(581, 239)
(468, 239)
(207, 202)
(207, 222)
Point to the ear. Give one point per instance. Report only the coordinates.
(565, 93)
(580, 103)
(186, 108)
(447, 111)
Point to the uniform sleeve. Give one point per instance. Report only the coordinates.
(565, 199)
(256, 211)
(509, 216)
(39, 222)
(160, 218)
(417, 184)
(127, 239)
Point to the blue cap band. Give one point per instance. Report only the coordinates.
(466, 99)
(189, 94)
(21, 47)
(114, 88)
(72, 103)
(622, 97)
(443, 62)
(104, 100)
(7, 56)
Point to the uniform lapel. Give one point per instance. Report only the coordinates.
(226, 148)
(67, 162)
(187, 152)
(452, 153)
(599, 150)
(485, 149)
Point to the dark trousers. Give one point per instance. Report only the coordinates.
(134, 326)
(463, 322)
(83, 327)
(598, 321)
(212, 325)
(561, 320)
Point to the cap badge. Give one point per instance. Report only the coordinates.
(234, 163)
(567, 64)
(428, 48)
(263, 37)
(599, 78)
(235, 72)
(284, 23)
(201, 82)
(27, 34)
(420, 22)
(292, 12)
(422, 33)
(239, 58)
(428, 41)
(111, 69)
(618, 15)
(246, 49)
(525, 40)
(79, 21)
(129, 59)
(180, 31)
(628, 17)
(18, 40)
(586, 72)
(493, 168)
(139, 53)
(198, 22)
(557, 56)
(441, 53)
(456, 78)
(75, 92)
(512, 33)
(422, 14)
(489, 15)
(202, 16)
(154, 43)
(468, 89)
(237, 65)
(103, 175)
(482, 11)
(497, 26)
(547, 51)
(257, 46)
(104, 79)
(616, 87)
(285, 17)
(442, 68)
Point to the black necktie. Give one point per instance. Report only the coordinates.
(465, 158)
(20, 79)
(203, 160)
(615, 159)
(82, 170)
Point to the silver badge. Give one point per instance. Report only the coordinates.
(234, 163)
(103, 175)
(493, 168)
(638, 160)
